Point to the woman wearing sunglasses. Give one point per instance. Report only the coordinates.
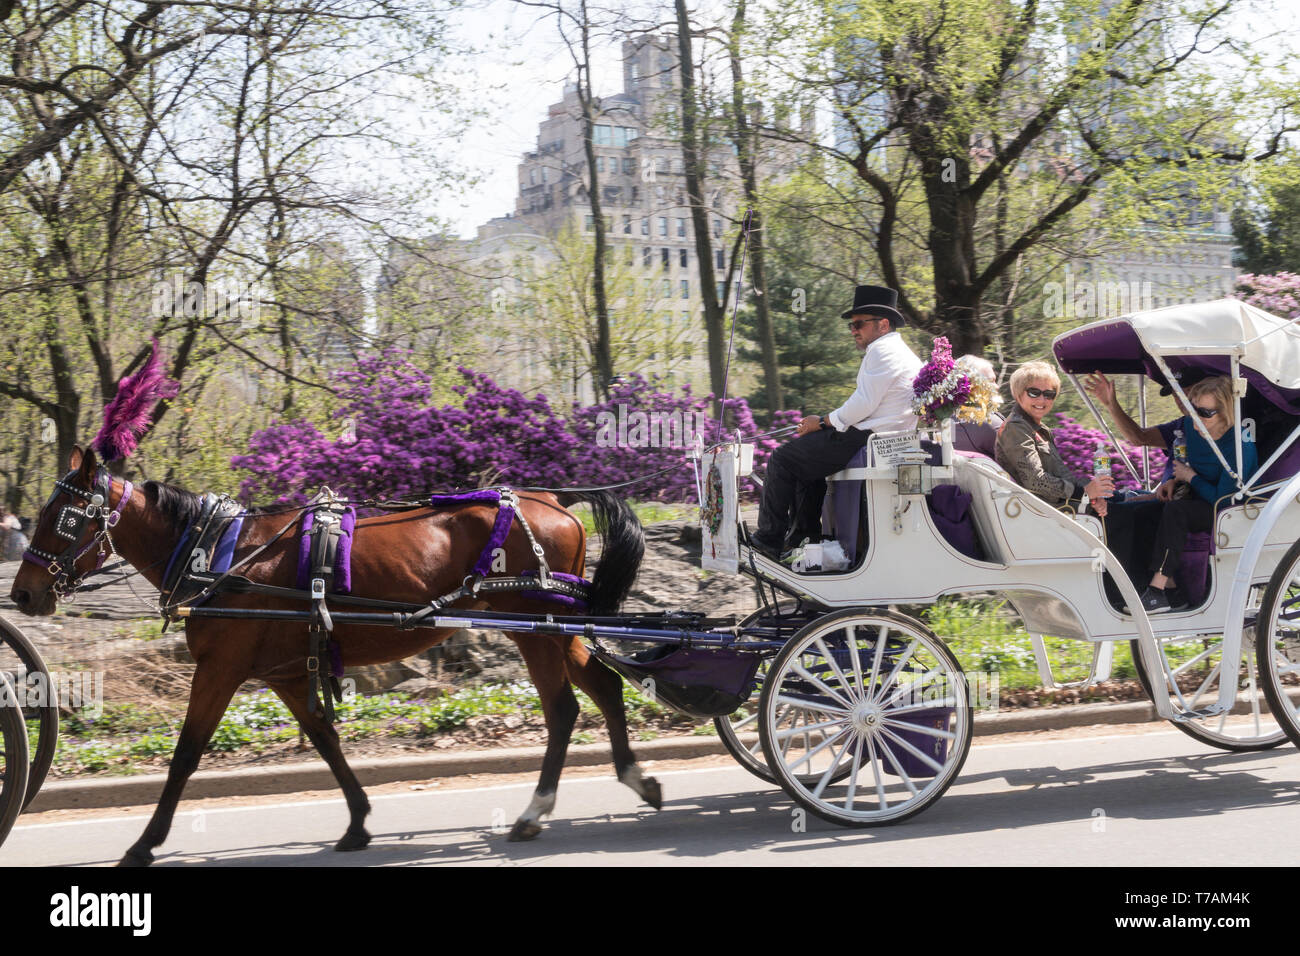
(1212, 403)
(1025, 447)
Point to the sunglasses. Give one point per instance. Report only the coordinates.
(859, 323)
(1205, 412)
(1047, 393)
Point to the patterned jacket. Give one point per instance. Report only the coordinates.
(1028, 453)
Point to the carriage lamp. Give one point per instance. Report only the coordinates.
(915, 477)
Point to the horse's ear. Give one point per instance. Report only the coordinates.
(83, 462)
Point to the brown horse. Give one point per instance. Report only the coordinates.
(410, 557)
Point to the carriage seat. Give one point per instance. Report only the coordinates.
(844, 518)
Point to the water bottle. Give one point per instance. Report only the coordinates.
(1180, 445)
(1101, 462)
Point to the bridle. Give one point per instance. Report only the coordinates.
(71, 525)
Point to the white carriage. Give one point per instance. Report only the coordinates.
(865, 716)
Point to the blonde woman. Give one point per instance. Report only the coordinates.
(1212, 402)
(1025, 447)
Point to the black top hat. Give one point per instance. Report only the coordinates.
(878, 301)
(1187, 377)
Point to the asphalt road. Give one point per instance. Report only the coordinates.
(1137, 799)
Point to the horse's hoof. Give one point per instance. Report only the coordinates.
(652, 793)
(354, 839)
(136, 856)
(524, 830)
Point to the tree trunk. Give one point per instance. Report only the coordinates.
(745, 155)
(603, 353)
(714, 323)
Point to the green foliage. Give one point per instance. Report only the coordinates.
(1267, 228)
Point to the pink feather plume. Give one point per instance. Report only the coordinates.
(130, 413)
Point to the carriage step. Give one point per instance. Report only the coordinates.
(1214, 710)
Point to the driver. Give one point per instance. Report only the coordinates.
(882, 401)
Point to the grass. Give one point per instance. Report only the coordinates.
(122, 735)
(647, 512)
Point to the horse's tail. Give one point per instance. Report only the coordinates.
(623, 546)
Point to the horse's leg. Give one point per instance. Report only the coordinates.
(326, 741)
(545, 660)
(210, 692)
(605, 687)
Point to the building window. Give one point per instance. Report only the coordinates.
(722, 292)
(543, 174)
(683, 257)
(664, 255)
(636, 195)
(686, 288)
(645, 226)
(602, 135)
(686, 318)
(627, 224)
(663, 225)
(660, 194)
(666, 289)
(532, 177)
(717, 228)
(591, 223)
(600, 164)
(629, 166)
(681, 227)
(631, 254)
(720, 258)
(647, 255)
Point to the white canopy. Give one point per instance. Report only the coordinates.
(1263, 342)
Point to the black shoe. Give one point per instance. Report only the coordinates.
(1154, 601)
(1177, 599)
(766, 550)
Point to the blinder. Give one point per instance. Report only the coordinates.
(70, 525)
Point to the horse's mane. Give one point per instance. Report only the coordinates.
(182, 508)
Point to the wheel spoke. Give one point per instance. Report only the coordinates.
(830, 659)
(921, 729)
(835, 763)
(920, 755)
(816, 682)
(795, 731)
(813, 705)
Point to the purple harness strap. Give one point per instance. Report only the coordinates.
(500, 530)
(342, 557)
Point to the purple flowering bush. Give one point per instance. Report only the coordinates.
(1078, 446)
(1278, 294)
(392, 442)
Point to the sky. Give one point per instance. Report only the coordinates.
(519, 68)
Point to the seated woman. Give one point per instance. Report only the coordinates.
(1212, 401)
(981, 438)
(1026, 450)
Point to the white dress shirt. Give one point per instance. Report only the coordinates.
(883, 399)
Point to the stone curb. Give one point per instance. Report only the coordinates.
(314, 775)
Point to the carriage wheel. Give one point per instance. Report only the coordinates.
(1193, 669)
(891, 704)
(1277, 647)
(14, 758)
(19, 655)
(749, 752)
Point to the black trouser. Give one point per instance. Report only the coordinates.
(1180, 518)
(1130, 527)
(795, 485)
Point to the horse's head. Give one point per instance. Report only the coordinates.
(70, 538)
